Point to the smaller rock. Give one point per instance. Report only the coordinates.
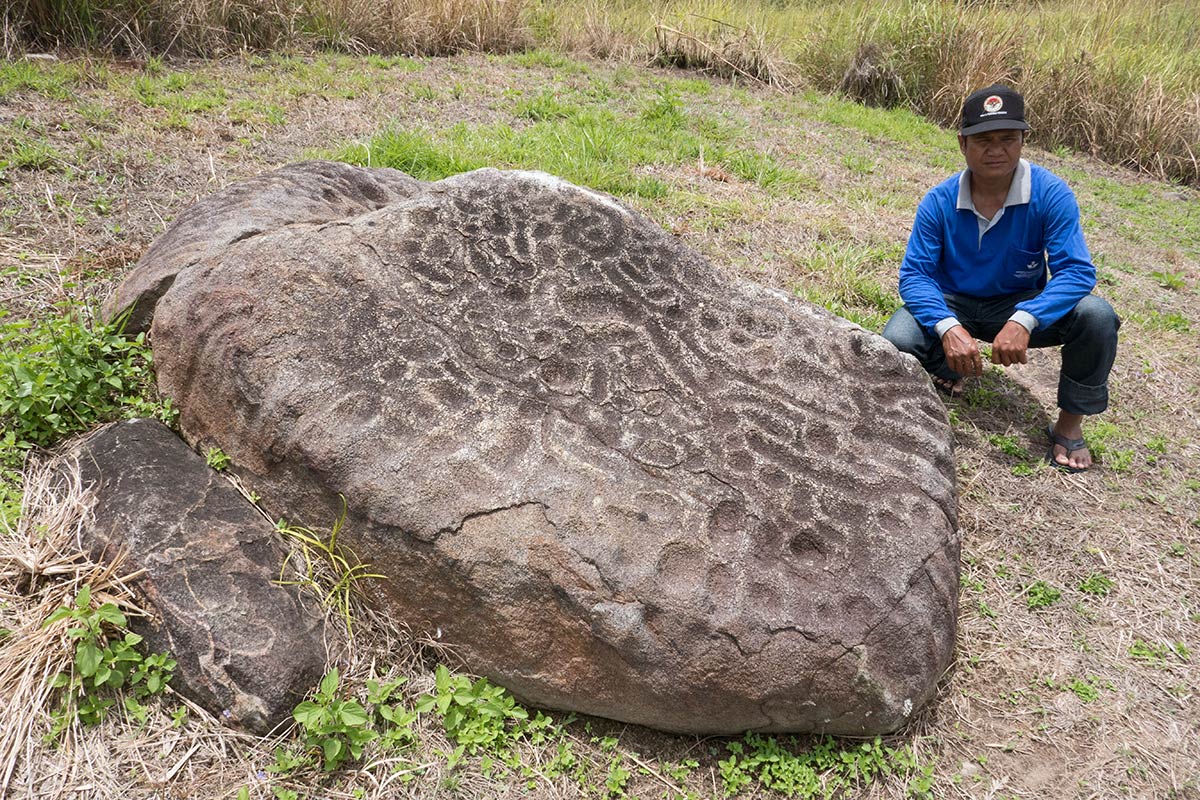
(247, 648)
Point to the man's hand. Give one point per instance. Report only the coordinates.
(1010, 345)
(962, 354)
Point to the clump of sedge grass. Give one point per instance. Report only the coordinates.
(328, 568)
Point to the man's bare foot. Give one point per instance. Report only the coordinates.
(1067, 449)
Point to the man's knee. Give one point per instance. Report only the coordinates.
(1094, 315)
(903, 331)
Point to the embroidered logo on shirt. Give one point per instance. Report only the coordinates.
(993, 103)
(1031, 269)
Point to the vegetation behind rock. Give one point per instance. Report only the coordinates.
(1116, 80)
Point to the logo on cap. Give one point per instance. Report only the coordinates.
(993, 104)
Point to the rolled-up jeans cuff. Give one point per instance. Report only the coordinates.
(1078, 398)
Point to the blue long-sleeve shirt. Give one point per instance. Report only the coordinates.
(953, 251)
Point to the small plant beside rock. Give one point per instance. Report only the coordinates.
(60, 375)
(1041, 595)
(106, 664)
(329, 569)
(825, 770)
(337, 730)
(215, 457)
(478, 715)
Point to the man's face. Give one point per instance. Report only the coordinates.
(993, 154)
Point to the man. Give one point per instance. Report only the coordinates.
(976, 268)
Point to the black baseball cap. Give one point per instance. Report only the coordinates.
(992, 109)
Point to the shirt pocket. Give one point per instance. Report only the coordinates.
(1023, 269)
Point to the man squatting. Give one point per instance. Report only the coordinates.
(976, 268)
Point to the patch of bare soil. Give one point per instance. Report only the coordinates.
(1092, 693)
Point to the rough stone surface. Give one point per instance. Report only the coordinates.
(314, 192)
(247, 649)
(610, 479)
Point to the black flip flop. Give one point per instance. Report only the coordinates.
(1070, 445)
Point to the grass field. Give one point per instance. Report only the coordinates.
(1116, 80)
(1076, 675)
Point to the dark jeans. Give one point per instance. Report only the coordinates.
(1088, 335)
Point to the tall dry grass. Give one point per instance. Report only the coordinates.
(1118, 80)
(723, 49)
(213, 27)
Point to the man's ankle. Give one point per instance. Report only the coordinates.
(1069, 424)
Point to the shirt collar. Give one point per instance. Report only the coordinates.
(1019, 191)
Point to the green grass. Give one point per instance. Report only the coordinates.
(888, 126)
(1040, 594)
(1157, 654)
(584, 140)
(1097, 584)
(1149, 213)
(53, 79)
(1154, 320)
(1109, 444)
(32, 154)
(545, 106)
(177, 92)
(330, 569)
(851, 280)
(1087, 690)
(398, 63)
(549, 59)
(1009, 446)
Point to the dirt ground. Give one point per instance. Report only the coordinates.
(1094, 695)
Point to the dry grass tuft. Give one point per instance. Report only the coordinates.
(598, 30)
(442, 27)
(42, 567)
(29, 280)
(963, 58)
(1134, 122)
(871, 80)
(722, 49)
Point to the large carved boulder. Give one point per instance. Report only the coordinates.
(247, 649)
(611, 479)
